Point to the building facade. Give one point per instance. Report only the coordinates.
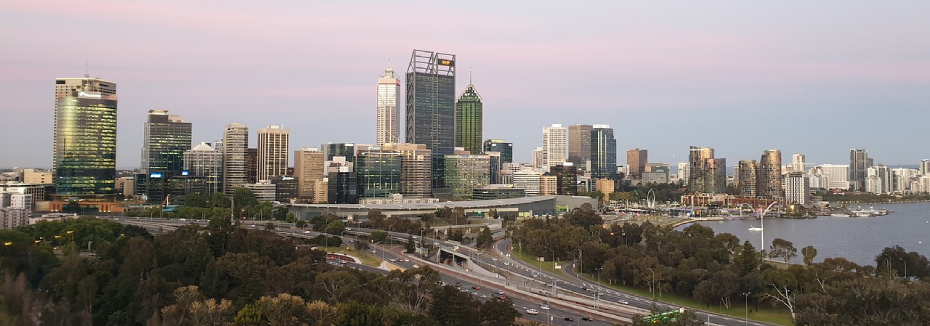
(378, 172)
(636, 160)
(388, 115)
(747, 178)
(273, 152)
(347, 150)
(235, 155)
(566, 178)
(603, 153)
(308, 169)
(706, 173)
(430, 106)
(500, 146)
(859, 163)
(206, 162)
(770, 176)
(464, 173)
(415, 169)
(84, 138)
(579, 146)
(555, 141)
(166, 138)
(469, 120)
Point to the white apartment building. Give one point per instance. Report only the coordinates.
(555, 145)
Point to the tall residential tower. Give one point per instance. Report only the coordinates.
(555, 141)
(273, 151)
(235, 150)
(603, 153)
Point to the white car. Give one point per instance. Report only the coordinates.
(621, 301)
(544, 307)
(532, 311)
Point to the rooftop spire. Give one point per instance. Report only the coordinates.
(469, 75)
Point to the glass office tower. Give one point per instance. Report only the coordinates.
(468, 120)
(431, 106)
(84, 159)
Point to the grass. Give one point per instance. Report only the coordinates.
(366, 258)
(766, 313)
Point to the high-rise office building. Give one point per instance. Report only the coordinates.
(166, 139)
(603, 153)
(251, 163)
(859, 162)
(579, 146)
(308, 168)
(273, 151)
(431, 106)
(378, 172)
(388, 123)
(464, 173)
(205, 162)
(555, 141)
(341, 182)
(415, 169)
(566, 178)
(924, 166)
(707, 174)
(347, 150)
(636, 160)
(84, 138)
(469, 120)
(500, 146)
(798, 163)
(538, 158)
(837, 174)
(747, 178)
(770, 178)
(235, 156)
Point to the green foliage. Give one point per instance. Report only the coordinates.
(485, 239)
(335, 227)
(378, 236)
(410, 246)
(783, 249)
(809, 254)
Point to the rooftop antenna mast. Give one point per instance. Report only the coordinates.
(86, 65)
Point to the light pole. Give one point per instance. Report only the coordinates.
(653, 284)
(762, 222)
(580, 263)
(745, 319)
(597, 291)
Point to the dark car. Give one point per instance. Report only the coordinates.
(587, 318)
(569, 319)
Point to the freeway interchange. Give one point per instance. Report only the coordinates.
(570, 299)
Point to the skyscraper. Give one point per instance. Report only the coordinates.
(924, 167)
(859, 162)
(603, 153)
(464, 173)
(636, 160)
(388, 108)
(431, 106)
(798, 163)
(797, 188)
(415, 169)
(707, 174)
(308, 168)
(378, 172)
(84, 138)
(235, 150)
(770, 178)
(748, 174)
(206, 162)
(166, 139)
(273, 150)
(538, 157)
(554, 139)
(579, 146)
(251, 165)
(500, 146)
(566, 178)
(347, 150)
(469, 120)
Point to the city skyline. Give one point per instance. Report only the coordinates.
(807, 76)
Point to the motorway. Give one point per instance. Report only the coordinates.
(452, 275)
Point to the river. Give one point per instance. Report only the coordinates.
(856, 239)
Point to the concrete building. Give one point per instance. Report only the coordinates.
(901, 180)
(497, 191)
(655, 173)
(469, 120)
(924, 167)
(415, 169)
(464, 173)
(797, 189)
(388, 109)
(273, 150)
(13, 217)
(579, 146)
(538, 158)
(235, 152)
(37, 192)
(341, 181)
(859, 162)
(747, 179)
(206, 162)
(33, 176)
(684, 172)
(879, 180)
(263, 190)
(798, 163)
(605, 186)
(528, 180)
(84, 138)
(838, 175)
(308, 169)
(555, 141)
(770, 175)
(636, 160)
(523, 206)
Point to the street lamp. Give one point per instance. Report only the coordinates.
(905, 267)
(653, 284)
(745, 319)
(597, 291)
(580, 263)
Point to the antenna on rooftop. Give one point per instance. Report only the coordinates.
(86, 64)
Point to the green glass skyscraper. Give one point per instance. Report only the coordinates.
(469, 120)
(84, 160)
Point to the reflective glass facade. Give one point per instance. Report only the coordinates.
(468, 121)
(430, 102)
(85, 135)
(378, 172)
(497, 145)
(346, 150)
(603, 153)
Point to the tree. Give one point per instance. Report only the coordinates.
(269, 226)
(451, 307)
(243, 198)
(378, 236)
(747, 259)
(496, 312)
(335, 227)
(376, 219)
(809, 253)
(300, 224)
(485, 239)
(410, 247)
(783, 249)
(778, 285)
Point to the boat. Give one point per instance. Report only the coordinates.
(840, 215)
(755, 229)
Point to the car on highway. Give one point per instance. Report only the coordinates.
(499, 292)
(307, 232)
(532, 311)
(587, 318)
(569, 319)
(544, 306)
(501, 297)
(476, 287)
(621, 301)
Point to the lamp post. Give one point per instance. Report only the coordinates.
(580, 263)
(746, 318)
(762, 222)
(905, 267)
(597, 291)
